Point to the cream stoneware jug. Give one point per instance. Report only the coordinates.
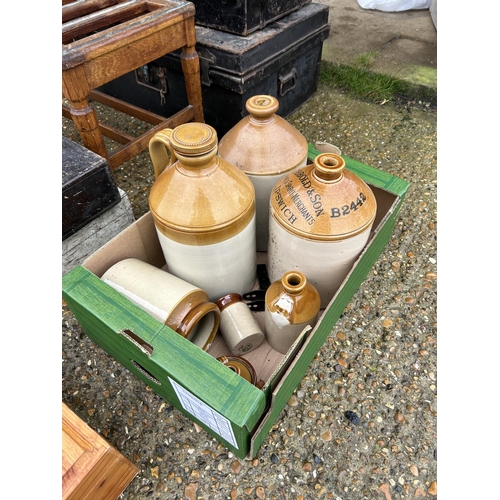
(178, 304)
(265, 146)
(204, 211)
(320, 220)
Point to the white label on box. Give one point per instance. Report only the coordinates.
(212, 419)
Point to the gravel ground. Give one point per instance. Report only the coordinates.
(380, 360)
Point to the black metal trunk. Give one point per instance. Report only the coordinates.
(243, 17)
(282, 60)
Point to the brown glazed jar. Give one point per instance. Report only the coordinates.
(265, 146)
(320, 220)
(291, 304)
(180, 305)
(238, 325)
(241, 367)
(204, 211)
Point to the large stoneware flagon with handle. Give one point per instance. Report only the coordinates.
(265, 146)
(204, 211)
(320, 220)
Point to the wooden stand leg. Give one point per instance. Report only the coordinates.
(85, 120)
(190, 62)
(76, 89)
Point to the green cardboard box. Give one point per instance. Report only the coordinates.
(235, 412)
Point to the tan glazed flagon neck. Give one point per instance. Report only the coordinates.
(324, 201)
(262, 108)
(329, 167)
(263, 143)
(293, 282)
(194, 144)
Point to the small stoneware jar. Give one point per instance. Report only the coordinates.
(240, 366)
(204, 211)
(238, 326)
(292, 303)
(265, 146)
(321, 217)
(176, 303)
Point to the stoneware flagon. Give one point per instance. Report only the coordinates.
(238, 325)
(265, 146)
(320, 220)
(176, 303)
(291, 304)
(204, 211)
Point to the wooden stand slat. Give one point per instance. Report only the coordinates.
(124, 107)
(72, 9)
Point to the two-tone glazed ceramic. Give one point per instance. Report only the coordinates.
(204, 211)
(265, 146)
(320, 220)
(291, 304)
(240, 366)
(238, 325)
(176, 303)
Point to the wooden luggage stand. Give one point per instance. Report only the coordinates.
(104, 39)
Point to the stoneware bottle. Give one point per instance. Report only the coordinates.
(204, 211)
(265, 146)
(320, 221)
(240, 366)
(291, 304)
(238, 325)
(176, 303)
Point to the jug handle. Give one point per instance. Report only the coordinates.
(161, 152)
